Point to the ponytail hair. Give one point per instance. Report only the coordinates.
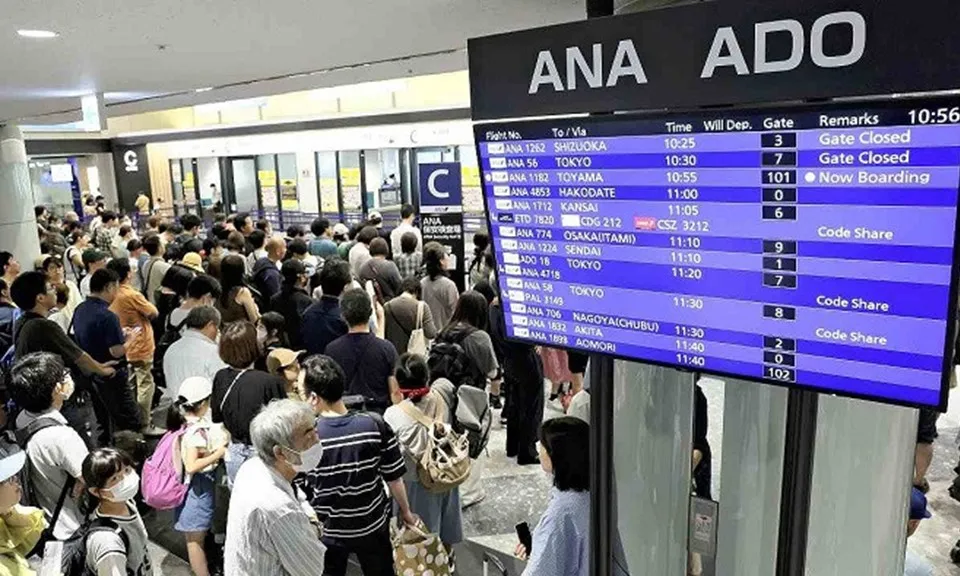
(177, 413)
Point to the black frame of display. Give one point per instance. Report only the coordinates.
(920, 101)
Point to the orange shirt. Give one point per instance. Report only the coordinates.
(135, 311)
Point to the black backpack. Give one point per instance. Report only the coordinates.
(28, 496)
(73, 560)
(448, 359)
(171, 335)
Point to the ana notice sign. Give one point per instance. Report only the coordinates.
(715, 53)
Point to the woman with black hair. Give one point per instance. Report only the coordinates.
(478, 270)
(112, 484)
(236, 299)
(468, 328)
(440, 512)
(439, 291)
(271, 334)
(561, 541)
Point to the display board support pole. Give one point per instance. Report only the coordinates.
(797, 483)
(601, 465)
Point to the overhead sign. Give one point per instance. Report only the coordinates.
(440, 187)
(132, 172)
(712, 53)
(808, 246)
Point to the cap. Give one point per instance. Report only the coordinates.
(195, 389)
(375, 218)
(193, 261)
(918, 505)
(12, 459)
(340, 229)
(91, 255)
(280, 358)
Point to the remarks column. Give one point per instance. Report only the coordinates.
(18, 225)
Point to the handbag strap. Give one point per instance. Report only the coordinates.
(417, 414)
(420, 306)
(230, 389)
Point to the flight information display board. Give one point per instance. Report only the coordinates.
(809, 246)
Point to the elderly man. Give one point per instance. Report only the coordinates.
(196, 352)
(269, 533)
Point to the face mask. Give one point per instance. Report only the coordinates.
(309, 458)
(67, 388)
(125, 490)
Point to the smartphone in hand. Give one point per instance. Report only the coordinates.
(523, 534)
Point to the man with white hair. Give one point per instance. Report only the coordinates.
(269, 533)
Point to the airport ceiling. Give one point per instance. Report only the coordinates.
(136, 50)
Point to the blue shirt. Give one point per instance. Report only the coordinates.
(322, 324)
(561, 541)
(97, 329)
(323, 247)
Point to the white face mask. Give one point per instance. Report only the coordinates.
(125, 490)
(309, 458)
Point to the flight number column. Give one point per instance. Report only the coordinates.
(779, 203)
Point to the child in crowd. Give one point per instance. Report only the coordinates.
(202, 446)
(112, 484)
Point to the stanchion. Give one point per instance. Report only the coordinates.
(797, 482)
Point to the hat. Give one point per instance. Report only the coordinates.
(918, 505)
(376, 218)
(340, 229)
(193, 261)
(12, 459)
(280, 358)
(195, 389)
(91, 255)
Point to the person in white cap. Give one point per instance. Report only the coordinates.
(202, 446)
(20, 526)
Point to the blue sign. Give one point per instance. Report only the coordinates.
(440, 185)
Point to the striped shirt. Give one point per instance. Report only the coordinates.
(268, 532)
(360, 453)
(561, 541)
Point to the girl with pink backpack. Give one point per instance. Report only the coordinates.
(200, 446)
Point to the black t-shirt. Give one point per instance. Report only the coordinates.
(368, 362)
(252, 391)
(34, 333)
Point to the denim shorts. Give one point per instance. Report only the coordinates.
(196, 512)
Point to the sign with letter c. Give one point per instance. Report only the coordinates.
(440, 186)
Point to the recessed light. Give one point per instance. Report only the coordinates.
(40, 34)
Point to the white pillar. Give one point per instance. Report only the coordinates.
(754, 419)
(652, 450)
(18, 225)
(862, 473)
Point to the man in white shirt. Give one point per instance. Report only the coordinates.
(269, 529)
(195, 353)
(360, 253)
(406, 225)
(40, 384)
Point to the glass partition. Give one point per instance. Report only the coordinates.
(328, 185)
(287, 168)
(350, 180)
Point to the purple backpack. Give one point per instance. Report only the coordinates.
(162, 483)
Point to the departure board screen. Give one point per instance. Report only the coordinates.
(806, 246)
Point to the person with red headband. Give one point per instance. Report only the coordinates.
(440, 512)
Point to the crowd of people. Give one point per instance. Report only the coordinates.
(303, 386)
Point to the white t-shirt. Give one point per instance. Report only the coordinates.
(85, 286)
(106, 555)
(56, 453)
